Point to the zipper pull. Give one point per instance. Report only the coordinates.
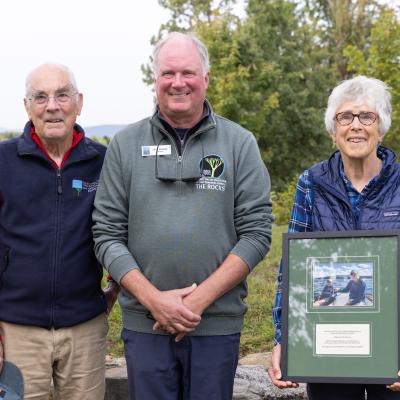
(6, 257)
(179, 159)
(59, 182)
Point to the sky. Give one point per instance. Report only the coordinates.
(104, 43)
(334, 269)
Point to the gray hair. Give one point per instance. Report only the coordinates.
(201, 48)
(361, 89)
(61, 67)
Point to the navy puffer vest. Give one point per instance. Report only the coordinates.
(332, 211)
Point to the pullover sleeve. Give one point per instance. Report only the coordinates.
(252, 211)
(110, 217)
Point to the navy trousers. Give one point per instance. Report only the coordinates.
(335, 391)
(196, 368)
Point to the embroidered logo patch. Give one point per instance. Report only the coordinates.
(212, 170)
(212, 166)
(80, 186)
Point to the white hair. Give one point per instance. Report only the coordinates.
(201, 48)
(361, 90)
(61, 67)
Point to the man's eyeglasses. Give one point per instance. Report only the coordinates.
(346, 118)
(62, 98)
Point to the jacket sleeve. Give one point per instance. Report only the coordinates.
(110, 217)
(346, 289)
(253, 210)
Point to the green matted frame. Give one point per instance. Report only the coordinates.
(341, 342)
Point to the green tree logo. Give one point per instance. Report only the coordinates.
(212, 166)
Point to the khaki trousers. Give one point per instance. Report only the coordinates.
(73, 358)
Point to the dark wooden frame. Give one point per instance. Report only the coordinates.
(285, 304)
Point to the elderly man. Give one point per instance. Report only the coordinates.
(182, 215)
(52, 309)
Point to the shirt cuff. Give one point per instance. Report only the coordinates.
(121, 266)
(248, 252)
(278, 336)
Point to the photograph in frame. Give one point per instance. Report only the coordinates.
(342, 283)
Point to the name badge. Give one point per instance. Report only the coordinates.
(163, 150)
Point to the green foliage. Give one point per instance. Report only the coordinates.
(281, 99)
(282, 203)
(381, 61)
(188, 14)
(101, 139)
(8, 135)
(273, 70)
(258, 332)
(115, 346)
(339, 23)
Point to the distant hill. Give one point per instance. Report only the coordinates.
(103, 130)
(98, 130)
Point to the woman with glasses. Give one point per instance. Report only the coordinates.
(356, 188)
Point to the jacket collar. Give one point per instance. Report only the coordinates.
(83, 151)
(205, 124)
(329, 171)
(387, 156)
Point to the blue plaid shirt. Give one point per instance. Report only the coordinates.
(301, 221)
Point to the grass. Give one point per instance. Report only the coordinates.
(258, 332)
(115, 345)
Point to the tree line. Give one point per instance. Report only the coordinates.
(273, 69)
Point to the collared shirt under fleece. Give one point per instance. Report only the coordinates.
(178, 230)
(301, 221)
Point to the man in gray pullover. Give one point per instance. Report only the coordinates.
(182, 215)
